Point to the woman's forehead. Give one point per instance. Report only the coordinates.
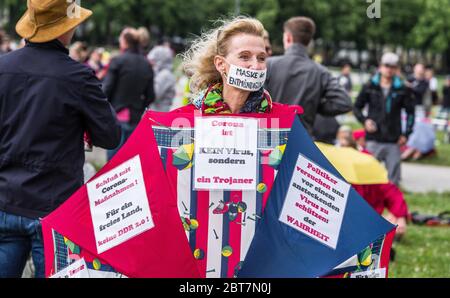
(246, 42)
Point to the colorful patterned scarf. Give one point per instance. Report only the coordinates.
(210, 101)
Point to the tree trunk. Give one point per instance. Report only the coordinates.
(2, 12)
(446, 64)
(15, 12)
(327, 53)
(107, 38)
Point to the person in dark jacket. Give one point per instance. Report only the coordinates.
(345, 78)
(47, 102)
(446, 95)
(297, 80)
(325, 129)
(418, 84)
(386, 95)
(129, 84)
(445, 110)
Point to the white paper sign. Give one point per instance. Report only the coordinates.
(119, 205)
(77, 269)
(315, 202)
(225, 153)
(377, 273)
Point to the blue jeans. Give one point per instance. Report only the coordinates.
(127, 130)
(18, 237)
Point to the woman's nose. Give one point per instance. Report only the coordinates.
(256, 65)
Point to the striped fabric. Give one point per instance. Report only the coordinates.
(226, 220)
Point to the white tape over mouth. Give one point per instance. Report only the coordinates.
(246, 79)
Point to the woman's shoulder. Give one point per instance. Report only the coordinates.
(276, 108)
(185, 109)
(284, 108)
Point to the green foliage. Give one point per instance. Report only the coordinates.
(421, 24)
(432, 30)
(266, 11)
(398, 17)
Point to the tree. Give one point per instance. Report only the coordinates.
(419, 24)
(13, 10)
(266, 11)
(432, 31)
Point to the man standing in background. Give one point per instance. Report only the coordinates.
(386, 95)
(345, 79)
(419, 86)
(295, 79)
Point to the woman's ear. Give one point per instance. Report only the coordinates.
(220, 64)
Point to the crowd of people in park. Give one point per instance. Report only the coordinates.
(79, 93)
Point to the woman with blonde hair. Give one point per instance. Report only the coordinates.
(144, 39)
(227, 70)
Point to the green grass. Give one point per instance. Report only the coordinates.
(424, 251)
(354, 125)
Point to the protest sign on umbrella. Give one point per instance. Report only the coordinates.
(313, 221)
(123, 220)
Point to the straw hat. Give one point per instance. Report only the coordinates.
(46, 20)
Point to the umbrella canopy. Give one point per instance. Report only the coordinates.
(276, 155)
(182, 158)
(356, 167)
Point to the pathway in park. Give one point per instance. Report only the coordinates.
(425, 178)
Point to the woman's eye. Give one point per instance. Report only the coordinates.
(244, 57)
(261, 59)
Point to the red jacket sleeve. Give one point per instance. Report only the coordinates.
(394, 200)
(381, 196)
(370, 194)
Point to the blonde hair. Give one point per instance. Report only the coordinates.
(144, 36)
(266, 35)
(198, 60)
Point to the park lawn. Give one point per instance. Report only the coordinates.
(354, 125)
(424, 251)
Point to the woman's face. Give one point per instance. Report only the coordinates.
(244, 50)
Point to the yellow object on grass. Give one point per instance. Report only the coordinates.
(356, 167)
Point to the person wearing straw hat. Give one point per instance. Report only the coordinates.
(47, 102)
